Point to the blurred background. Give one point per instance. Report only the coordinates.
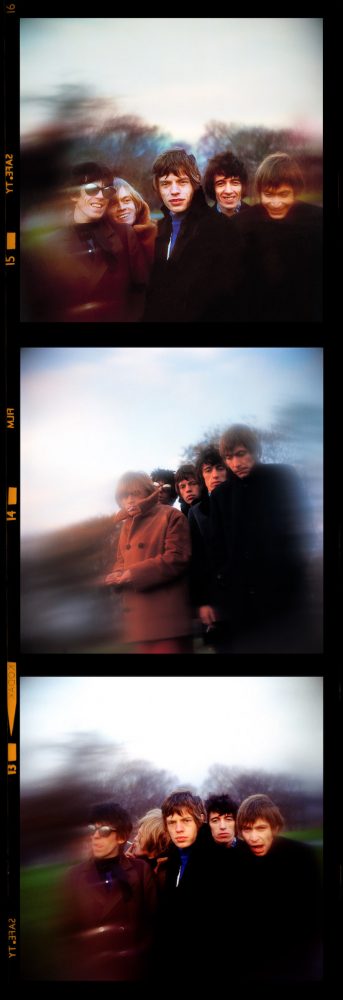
(120, 90)
(90, 414)
(134, 739)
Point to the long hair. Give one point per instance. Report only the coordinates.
(134, 481)
(137, 199)
(176, 161)
(258, 807)
(277, 169)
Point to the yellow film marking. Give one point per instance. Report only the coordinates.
(11, 239)
(11, 693)
(12, 751)
(12, 495)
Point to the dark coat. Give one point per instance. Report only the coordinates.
(201, 565)
(281, 265)
(186, 910)
(108, 934)
(155, 546)
(198, 280)
(278, 910)
(67, 278)
(258, 542)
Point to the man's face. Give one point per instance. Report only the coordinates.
(182, 829)
(90, 203)
(222, 828)
(259, 836)
(130, 499)
(213, 475)
(106, 844)
(164, 495)
(123, 208)
(278, 201)
(189, 490)
(228, 192)
(176, 192)
(240, 461)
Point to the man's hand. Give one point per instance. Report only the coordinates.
(118, 578)
(207, 615)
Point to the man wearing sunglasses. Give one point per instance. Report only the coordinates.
(110, 905)
(91, 268)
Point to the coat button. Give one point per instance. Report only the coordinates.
(141, 545)
(128, 546)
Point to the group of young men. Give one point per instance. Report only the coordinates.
(250, 535)
(233, 899)
(220, 263)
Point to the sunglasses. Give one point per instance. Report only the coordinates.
(103, 831)
(108, 192)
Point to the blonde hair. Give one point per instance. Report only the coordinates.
(137, 199)
(134, 481)
(153, 838)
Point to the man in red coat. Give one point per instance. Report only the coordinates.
(151, 569)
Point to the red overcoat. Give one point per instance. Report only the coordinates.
(155, 546)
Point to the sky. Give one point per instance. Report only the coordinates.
(90, 414)
(188, 723)
(179, 73)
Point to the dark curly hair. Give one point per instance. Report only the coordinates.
(228, 165)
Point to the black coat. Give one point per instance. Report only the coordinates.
(186, 910)
(279, 913)
(258, 542)
(281, 265)
(201, 573)
(197, 282)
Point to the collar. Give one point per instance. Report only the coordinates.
(237, 209)
(144, 507)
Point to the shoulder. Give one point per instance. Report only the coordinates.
(253, 217)
(292, 855)
(220, 494)
(292, 848)
(194, 509)
(79, 873)
(118, 235)
(274, 472)
(306, 210)
(174, 515)
(136, 866)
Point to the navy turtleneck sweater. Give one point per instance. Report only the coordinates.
(176, 219)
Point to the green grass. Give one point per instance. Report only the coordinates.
(39, 918)
(315, 833)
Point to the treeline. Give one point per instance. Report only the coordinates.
(86, 128)
(55, 812)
